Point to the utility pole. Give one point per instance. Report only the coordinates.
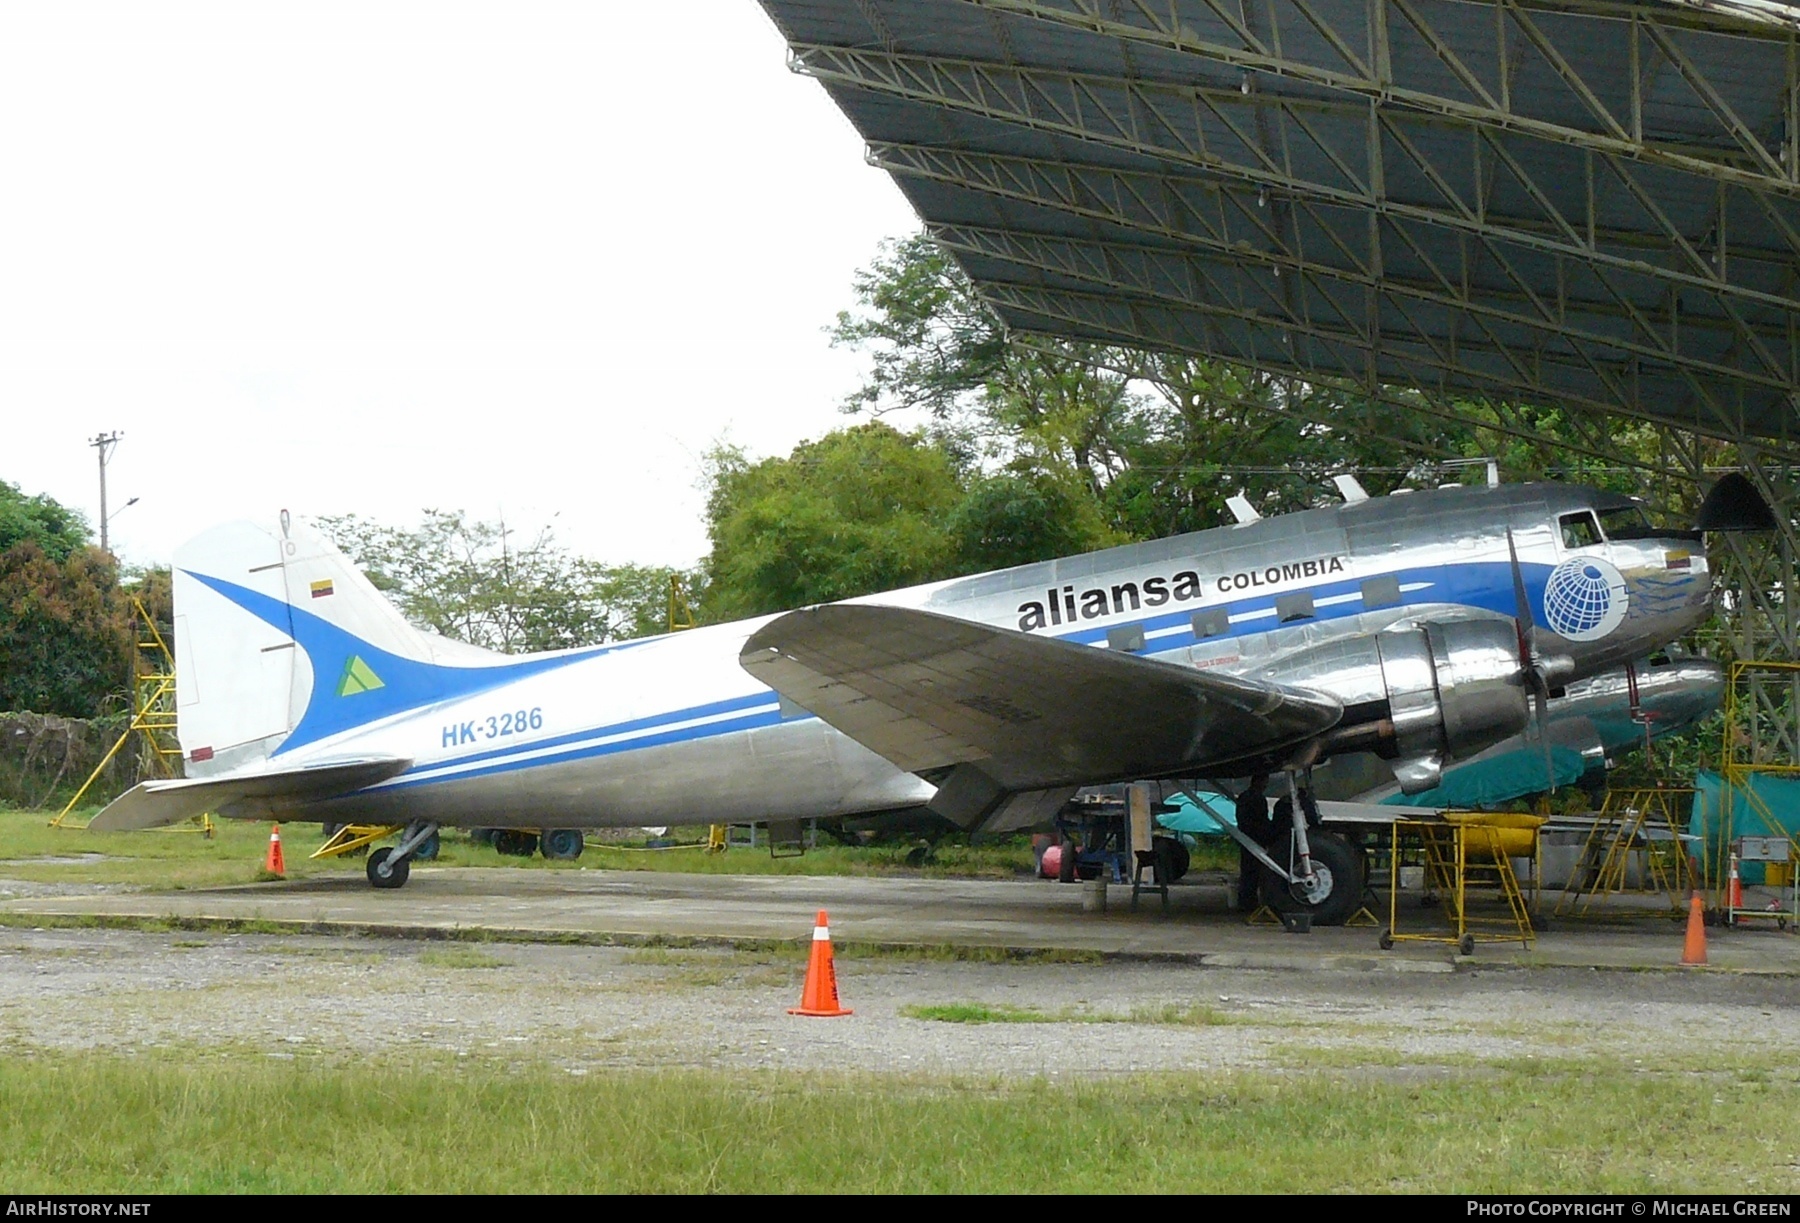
(103, 443)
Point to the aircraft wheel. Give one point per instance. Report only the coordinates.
(515, 844)
(562, 844)
(1466, 944)
(1387, 940)
(382, 874)
(1065, 869)
(428, 848)
(1174, 853)
(1338, 891)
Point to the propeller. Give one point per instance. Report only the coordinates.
(1538, 671)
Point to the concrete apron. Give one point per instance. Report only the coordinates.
(1016, 915)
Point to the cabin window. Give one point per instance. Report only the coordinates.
(1129, 638)
(1383, 591)
(1579, 530)
(1297, 606)
(1215, 622)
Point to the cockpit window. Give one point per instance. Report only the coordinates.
(1579, 530)
(1627, 522)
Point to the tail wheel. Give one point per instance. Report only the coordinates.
(1337, 887)
(384, 873)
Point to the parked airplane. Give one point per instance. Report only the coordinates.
(1415, 626)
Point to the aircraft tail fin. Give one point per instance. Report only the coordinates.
(269, 623)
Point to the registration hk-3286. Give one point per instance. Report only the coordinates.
(495, 726)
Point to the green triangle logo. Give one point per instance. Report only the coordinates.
(358, 677)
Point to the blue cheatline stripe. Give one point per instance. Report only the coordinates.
(1443, 582)
(1483, 584)
(732, 726)
(1469, 583)
(753, 701)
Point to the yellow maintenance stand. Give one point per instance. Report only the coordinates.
(1460, 851)
(1760, 697)
(1638, 833)
(152, 722)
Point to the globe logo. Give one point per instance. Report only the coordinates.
(1584, 599)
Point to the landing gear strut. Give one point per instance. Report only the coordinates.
(389, 868)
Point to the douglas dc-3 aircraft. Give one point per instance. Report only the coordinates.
(1416, 626)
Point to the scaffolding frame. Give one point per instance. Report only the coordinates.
(153, 724)
(1460, 854)
(1647, 824)
(1762, 697)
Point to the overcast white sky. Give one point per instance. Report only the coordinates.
(530, 258)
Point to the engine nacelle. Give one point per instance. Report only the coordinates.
(1452, 689)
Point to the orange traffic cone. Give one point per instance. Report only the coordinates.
(274, 865)
(1734, 896)
(1694, 951)
(820, 996)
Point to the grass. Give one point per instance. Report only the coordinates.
(1170, 1014)
(459, 957)
(234, 855)
(209, 1122)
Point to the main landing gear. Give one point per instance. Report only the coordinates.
(389, 868)
(1302, 868)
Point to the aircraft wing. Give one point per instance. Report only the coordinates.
(1007, 712)
(150, 804)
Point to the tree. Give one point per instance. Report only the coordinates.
(470, 581)
(860, 510)
(1161, 440)
(1023, 515)
(65, 633)
(56, 529)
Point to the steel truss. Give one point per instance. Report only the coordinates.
(1576, 202)
(1592, 203)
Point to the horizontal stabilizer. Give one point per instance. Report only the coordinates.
(151, 804)
(928, 692)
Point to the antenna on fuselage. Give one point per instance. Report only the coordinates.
(1350, 489)
(1242, 510)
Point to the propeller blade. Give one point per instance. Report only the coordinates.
(1530, 664)
(1540, 709)
(1527, 629)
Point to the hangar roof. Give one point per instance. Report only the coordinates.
(1576, 201)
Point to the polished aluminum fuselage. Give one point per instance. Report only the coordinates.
(673, 731)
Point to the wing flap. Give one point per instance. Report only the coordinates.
(150, 804)
(929, 692)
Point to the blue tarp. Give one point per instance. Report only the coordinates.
(1488, 783)
(1771, 806)
(1193, 819)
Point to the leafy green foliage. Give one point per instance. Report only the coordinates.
(1017, 517)
(53, 527)
(859, 510)
(470, 581)
(65, 632)
(1159, 441)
